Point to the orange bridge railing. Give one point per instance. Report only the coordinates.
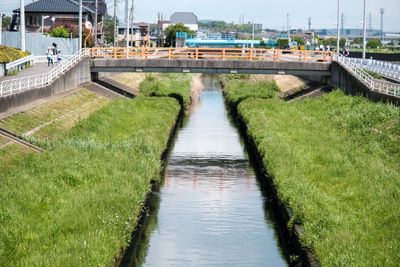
(211, 53)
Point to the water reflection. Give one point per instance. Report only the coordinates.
(210, 210)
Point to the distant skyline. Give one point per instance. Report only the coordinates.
(272, 14)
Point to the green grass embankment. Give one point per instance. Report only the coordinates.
(168, 84)
(240, 87)
(334, 161)
(77, 204)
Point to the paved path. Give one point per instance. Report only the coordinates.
(38, 68)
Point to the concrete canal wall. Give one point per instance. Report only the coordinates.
(76, 75)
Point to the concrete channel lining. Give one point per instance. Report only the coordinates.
(210, 66)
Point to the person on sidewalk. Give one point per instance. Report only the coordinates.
(49, 55)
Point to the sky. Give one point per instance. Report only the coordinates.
(272, 14)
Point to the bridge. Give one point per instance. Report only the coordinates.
(211, 60)
(84, 66)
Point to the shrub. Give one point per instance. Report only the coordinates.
(59, 32)
(374, 43)
(9, 54)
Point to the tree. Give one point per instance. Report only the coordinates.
(374, 43)
(299, 40)
(358, 40)
(342, 42)
(283, 43)
(60, 32)
(6, 21)
(170, 33)
(73, 30)
(109, 30)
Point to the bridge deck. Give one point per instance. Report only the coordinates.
(209, 66)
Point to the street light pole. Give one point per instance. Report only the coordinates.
(43, 18)
(338, 28)
(22, 24)
(364, 30)
(80, 25)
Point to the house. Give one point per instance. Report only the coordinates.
(49, 12)
(189, 19)
(139, 35)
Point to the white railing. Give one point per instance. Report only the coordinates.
(387, 69)
(18, 85)
(43, 59)
(20, 62)
(378, 85)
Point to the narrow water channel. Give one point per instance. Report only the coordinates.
(210, 209)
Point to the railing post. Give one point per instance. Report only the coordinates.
(250, 54)
(305, 56)
(197, 53)
(223, 54)
(324, 59)
(115, 53)
(170, 53)
(145, 52)
(277, 56)
(300, 55)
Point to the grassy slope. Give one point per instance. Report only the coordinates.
(168, 84)
(78, 203)
(240, 87)
(60, 114)
(335, 163)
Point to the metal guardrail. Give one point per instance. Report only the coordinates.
(387, 69)
(378, 85)
(18, 85)
(19, 62)
(276, 55)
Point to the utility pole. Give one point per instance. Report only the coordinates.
(288, 31)
(115, 24)
(127, 24)
(342, 19)
(338, 27)
(1, 26)
(309, 24)
(80, 25)
(22, 24)
(382, 10)
(364, 29)
(252, 37)
(95, 22)
(370, 23)
(132, 17)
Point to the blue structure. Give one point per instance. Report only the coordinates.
(204, 39)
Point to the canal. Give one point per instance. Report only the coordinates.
(210, 209)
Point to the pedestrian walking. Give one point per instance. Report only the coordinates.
(49, 55)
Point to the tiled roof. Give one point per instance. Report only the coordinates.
(55, 6)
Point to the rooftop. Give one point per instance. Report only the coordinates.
(61, 6)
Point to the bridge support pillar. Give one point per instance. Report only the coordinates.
(94, 76)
